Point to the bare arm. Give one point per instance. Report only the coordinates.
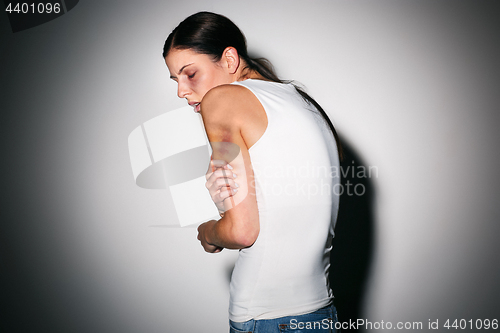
(224, 110)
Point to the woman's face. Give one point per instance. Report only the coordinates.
(195, 74)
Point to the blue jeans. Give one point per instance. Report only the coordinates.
(320, 321)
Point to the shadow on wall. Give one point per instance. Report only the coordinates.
(351, 255)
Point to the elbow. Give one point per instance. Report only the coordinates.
(248, 240)
(246, 237)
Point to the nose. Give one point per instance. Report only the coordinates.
(182, 90)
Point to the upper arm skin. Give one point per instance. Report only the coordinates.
(225, 110)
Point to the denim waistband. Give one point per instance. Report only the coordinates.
(327, 316)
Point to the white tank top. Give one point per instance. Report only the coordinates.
(296, 169)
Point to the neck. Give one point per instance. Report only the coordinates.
(251, 75)
(245, 73)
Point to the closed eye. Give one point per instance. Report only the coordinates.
(192, 75)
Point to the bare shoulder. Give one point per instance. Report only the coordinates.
(234, 108)
(229, 100)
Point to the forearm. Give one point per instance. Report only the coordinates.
(230, 234)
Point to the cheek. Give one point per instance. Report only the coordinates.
(208, 80)
(205, 83)
(217, 79)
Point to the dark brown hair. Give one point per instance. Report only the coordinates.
(210, 34)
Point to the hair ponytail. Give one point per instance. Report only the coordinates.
(210, 34)
(265, 68)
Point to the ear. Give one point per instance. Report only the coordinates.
(232, 59)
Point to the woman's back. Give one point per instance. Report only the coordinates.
(295, 166)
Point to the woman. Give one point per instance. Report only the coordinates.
(281, 148)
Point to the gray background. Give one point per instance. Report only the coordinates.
(412, 86)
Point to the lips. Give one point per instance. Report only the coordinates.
(196, 106)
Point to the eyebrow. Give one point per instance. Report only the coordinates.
(180, 71)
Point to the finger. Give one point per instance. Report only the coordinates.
(222, 193)
(224, 182)
(219, 174)
(226, 193)
(211, 171)
(209, 248)
(218, 163)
